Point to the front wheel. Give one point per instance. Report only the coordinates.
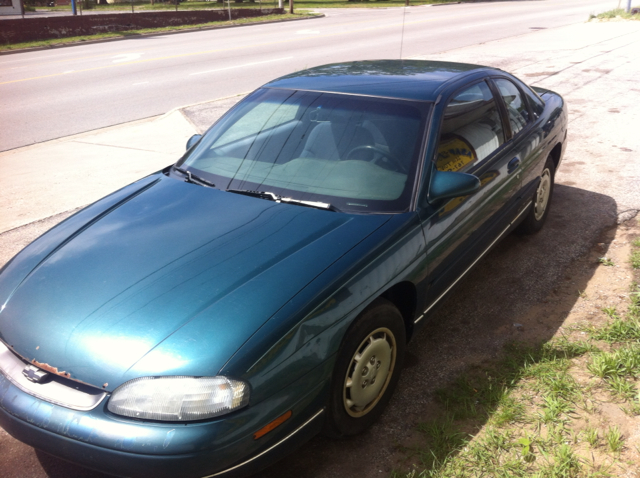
(541, 204)
(367, 370)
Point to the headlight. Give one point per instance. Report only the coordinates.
(178, 398)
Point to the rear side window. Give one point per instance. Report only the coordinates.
(515, 103)
(537, 105)
(471, 130)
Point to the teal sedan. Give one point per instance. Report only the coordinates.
(209, 318)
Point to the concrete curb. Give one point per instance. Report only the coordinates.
(168, 32)
(186, 116)
(180, 108)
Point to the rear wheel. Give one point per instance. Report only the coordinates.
(539, 209)
(367, 370)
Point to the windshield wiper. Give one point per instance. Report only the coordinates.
(192, 178)
(274, 197)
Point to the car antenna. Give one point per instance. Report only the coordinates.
(404, 13)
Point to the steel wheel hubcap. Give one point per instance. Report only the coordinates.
(542, 194)
(369, 372)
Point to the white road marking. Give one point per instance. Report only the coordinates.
(240, 66)
(126, 57)
(308, 32)
(141, 83)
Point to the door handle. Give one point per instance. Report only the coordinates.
(513, 165)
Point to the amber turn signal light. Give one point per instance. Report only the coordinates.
(274, 424)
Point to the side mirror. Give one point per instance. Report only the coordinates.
(447, 184)
(193, 140)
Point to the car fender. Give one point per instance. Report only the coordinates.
(309, 329)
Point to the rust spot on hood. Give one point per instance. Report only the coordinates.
(49, 368)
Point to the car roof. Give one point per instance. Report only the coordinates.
(404, 79)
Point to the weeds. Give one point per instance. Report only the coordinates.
(510, 410)
(622, 387)
(611, 14)
(592, 437)
(606, 261)
(443, 437)
(614, 439)
(635, 255)
(620, 330)
(554, 410)
(565, 463)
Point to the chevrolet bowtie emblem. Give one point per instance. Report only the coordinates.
(34, 374)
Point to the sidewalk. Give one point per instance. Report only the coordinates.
(48, 178)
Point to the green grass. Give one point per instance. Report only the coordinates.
(614, 439)
(592, 437)
(606, 261)
(519, 416)
(130, 33)
(620, 367)
(635, 255)
(501, 397)
(146, 6)
(618, 12)
(199, 5)
(620, 329)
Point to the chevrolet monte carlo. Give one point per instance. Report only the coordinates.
(208, 318)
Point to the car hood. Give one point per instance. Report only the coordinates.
(164, 278)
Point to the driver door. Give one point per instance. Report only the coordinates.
(458, 230)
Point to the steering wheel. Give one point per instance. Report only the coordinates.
(381, 156)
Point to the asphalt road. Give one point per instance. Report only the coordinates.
(55, 93)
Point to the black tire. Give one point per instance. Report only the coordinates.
(539, 210)
(373, 350)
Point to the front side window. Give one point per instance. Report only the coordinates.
(516, 106)
(356, 153)
(471, 130)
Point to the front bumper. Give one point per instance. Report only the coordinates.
(110, 444)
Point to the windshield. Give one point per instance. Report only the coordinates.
(358, 154)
